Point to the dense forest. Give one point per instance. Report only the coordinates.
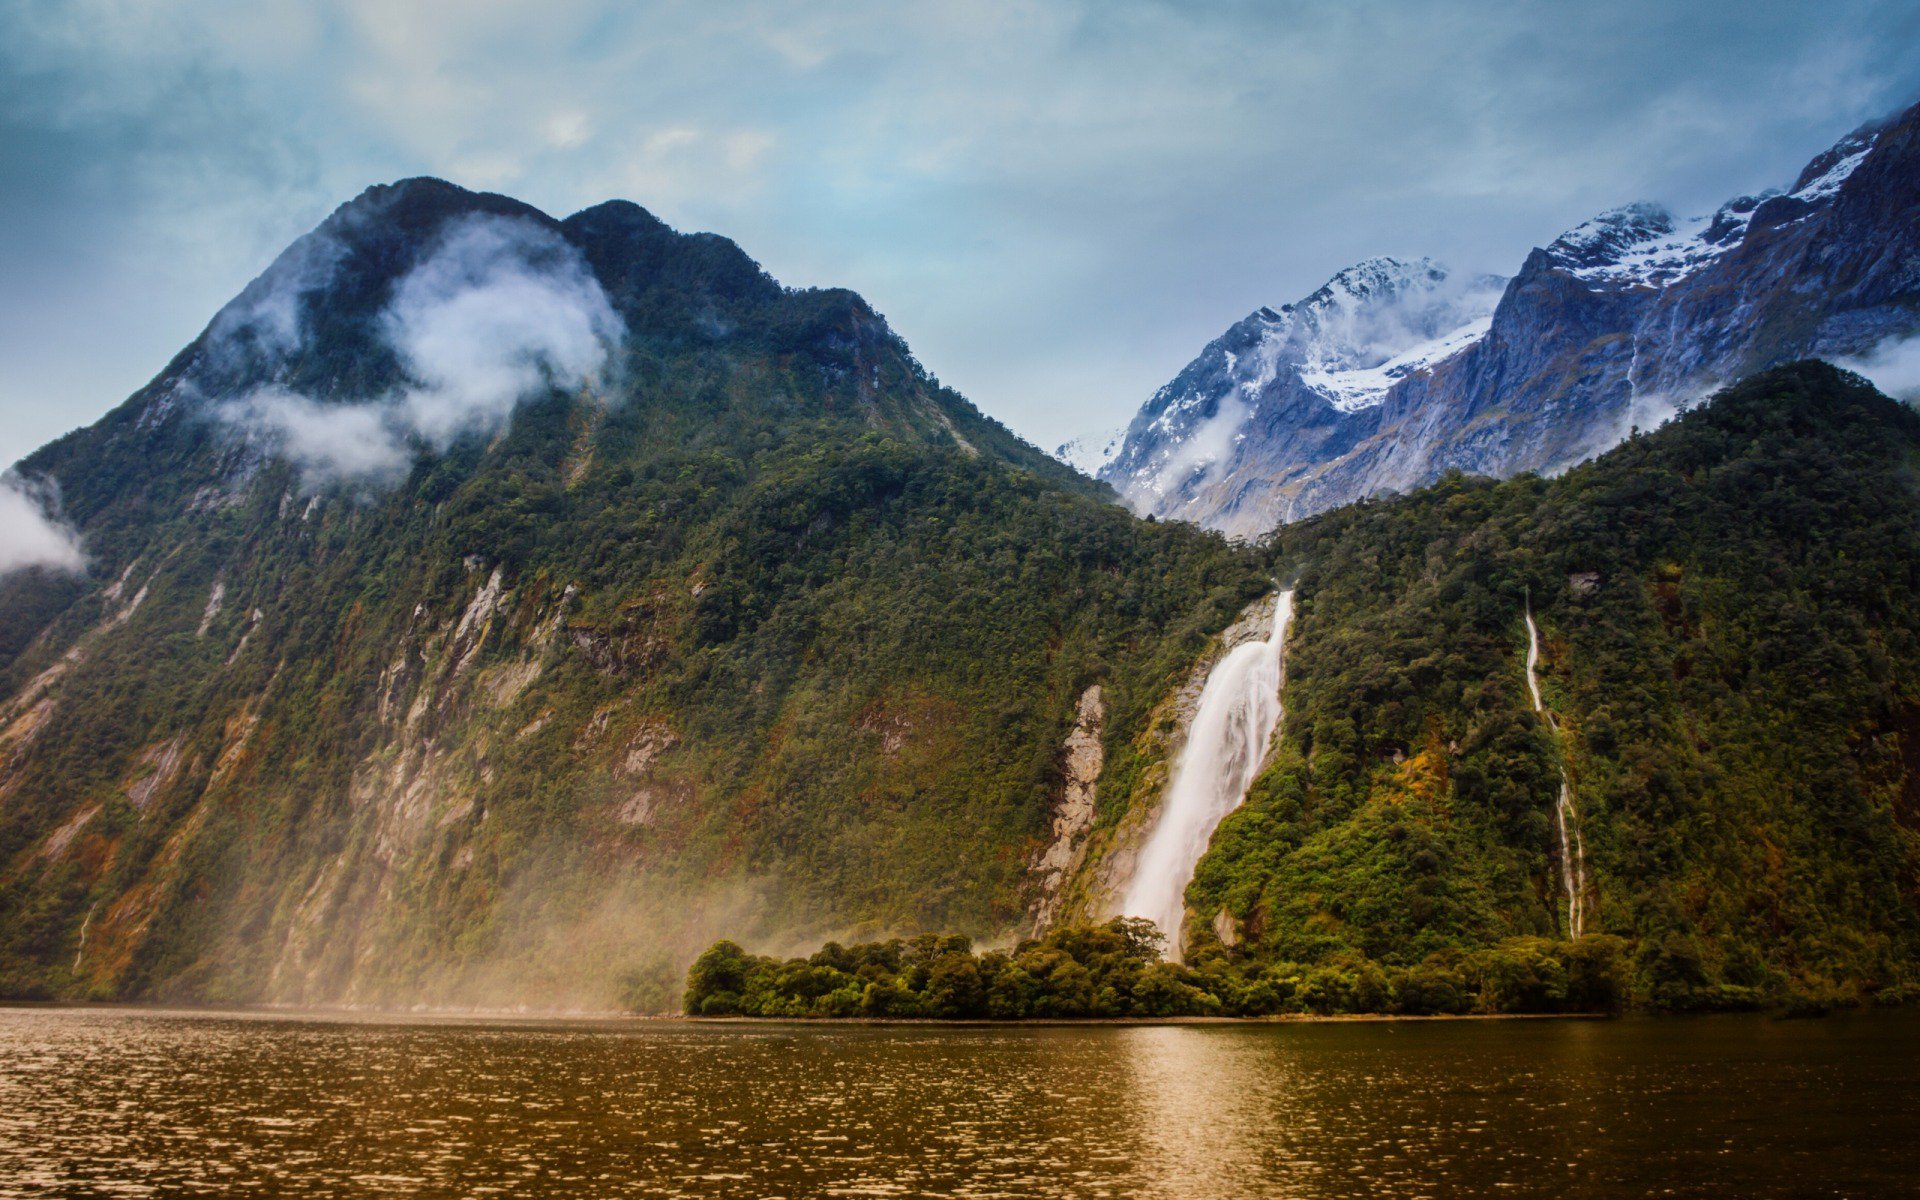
(1731, 650)
(1116, 970)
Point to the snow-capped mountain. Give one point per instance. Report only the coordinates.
(1395, 372)
(1289, 382)
(1091, 452)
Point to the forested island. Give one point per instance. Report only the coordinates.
(1115, 970)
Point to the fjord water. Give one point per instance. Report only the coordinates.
(1233, 722)
(119, 1103)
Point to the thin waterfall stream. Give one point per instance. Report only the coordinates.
(1573, 850)
(1233, 723)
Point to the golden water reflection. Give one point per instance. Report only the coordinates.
(115, 1103)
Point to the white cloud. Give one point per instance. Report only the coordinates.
(328, 442)
(500, 310)
(267, 319)
(1893, 366)
(1208, 445)
(32, 533)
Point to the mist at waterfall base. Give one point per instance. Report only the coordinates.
(1233, 723)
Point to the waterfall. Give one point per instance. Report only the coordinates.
(1573, 850)
(81, 949)
(1238, 710)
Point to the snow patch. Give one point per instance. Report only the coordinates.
(1824, 175)
(1351, 391)
(1643, 245)
(1090, 452)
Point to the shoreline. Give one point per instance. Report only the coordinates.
(346, 1014)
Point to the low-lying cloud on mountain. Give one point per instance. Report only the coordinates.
(329, 442)
(32, 534)
(499, 311)
(265, 323)
(1893, 365)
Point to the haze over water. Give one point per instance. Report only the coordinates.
(120, 1103)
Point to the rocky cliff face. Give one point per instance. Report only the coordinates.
(1614, 325)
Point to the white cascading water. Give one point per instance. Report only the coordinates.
(1234, 721)
(1573, 849)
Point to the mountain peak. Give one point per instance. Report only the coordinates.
(1607, 238)
(1830, 168)
(1371, 279)
(624, 212)
(419, 204)
(1384, 378)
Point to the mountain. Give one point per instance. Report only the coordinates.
(1642, 735)
(1291, 381)
(489, 609)
(1729, 649)
(1614, 325)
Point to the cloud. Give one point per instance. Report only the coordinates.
(141, 183)
(328, 442)
(1207, 447)
(32, 533)
(1893, 366)
(266, 322)
(500, 310)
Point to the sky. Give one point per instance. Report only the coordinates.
(1056, 202)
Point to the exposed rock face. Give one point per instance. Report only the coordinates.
(1226, 929)
(1613, 326)
(1073, 815)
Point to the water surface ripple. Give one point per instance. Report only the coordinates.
(137, 1103)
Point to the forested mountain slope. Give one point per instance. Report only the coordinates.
(1713, 802)
(1731, 650)
(488, 609)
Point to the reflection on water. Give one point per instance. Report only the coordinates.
(119, 1103)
